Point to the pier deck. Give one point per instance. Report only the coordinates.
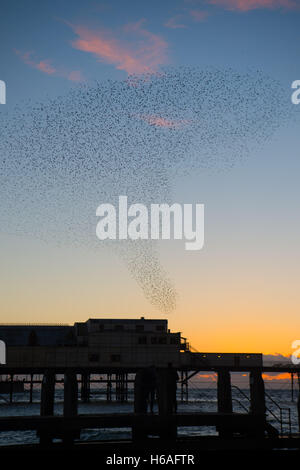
(125, 420)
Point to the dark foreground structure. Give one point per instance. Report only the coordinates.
(156, 360)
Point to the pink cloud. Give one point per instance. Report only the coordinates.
(198, 15)
(43, 65)
(159, 121)
(247, 5)
(75, 76)
(46, 67)
(144, 56)
(174, 22)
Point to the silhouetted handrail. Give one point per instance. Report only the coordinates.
(281, 409)
(4, 399)
(241, 391)
(241, 404)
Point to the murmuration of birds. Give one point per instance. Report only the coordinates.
(62, 157)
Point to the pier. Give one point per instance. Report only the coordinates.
(239, 429)
(118, 357)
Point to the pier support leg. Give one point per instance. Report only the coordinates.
(11, 388)
(70, 404)
(187, 388)
(70, 394)
(121, 381)
(47, 404)
(140, 398)
(257, 397)
(224, 399)
(108, 388)
(47, 394)
(140, 408)
(298, 401)
(184, 386)
(167, 406)
(118, 385)
(181, 382)
(31, 388)
(126, 388)
(224, 392)
(257, 393)
(85, 387)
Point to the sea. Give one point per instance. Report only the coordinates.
(281, 404)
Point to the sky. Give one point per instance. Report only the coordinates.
(240, 292)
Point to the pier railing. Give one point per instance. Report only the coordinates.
(280, 419)
(282, 411)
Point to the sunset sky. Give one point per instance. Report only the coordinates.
(241, 292)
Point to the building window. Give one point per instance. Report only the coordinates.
(93, 357)
(174, 340)
(162, 340)
(119, 327)
(115, 358)
(32, 338)
(142, 340)
(160, 328)
(139, 327)
(154, 340)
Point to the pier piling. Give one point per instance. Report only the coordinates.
(31, 388)
(298, 401)
(70, 394)
(108, 388)
(70, 404)
(47, 404)
(224, 399)
(224, 392)
(258, 403)
(166, 388)
(257, 393)
(47, 394)
(85, 387)
(11, 388)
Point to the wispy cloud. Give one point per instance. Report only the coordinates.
(198, 15)
(247, 5)
(183, 19)
(75, 76)
(46, 67)
(144, 55)
(175, 22)
(42, 65)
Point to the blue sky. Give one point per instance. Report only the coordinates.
(245, 281)
(193, 32)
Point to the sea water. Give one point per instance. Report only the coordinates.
(199, 400)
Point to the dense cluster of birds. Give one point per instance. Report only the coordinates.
(61, 158)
